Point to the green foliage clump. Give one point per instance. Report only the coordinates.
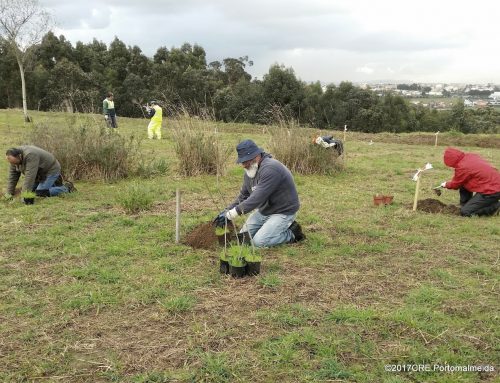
(88, 151)
(214, 368)
(28, 194)
(152, 168)
(135, 198)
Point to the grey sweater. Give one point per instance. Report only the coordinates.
(36, 164)
(272, 190)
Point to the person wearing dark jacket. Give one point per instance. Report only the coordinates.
(41, 171)
(269, 191)
(473, 174)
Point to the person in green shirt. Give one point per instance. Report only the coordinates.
(108, 109)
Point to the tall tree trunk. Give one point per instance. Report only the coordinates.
(23, 89)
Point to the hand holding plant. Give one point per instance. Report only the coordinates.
(28, 197)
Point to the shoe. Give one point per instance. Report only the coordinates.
(42, 193)
(69, 185)
(297, 232)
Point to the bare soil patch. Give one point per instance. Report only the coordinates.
(431, 205)
(202, 237)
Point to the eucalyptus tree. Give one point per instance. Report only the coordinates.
(23, 23)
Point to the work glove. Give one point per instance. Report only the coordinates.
(8, 196)
(106, 117)
(232, 214)
(443, 185)
(220, 220)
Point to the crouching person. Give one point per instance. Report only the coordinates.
(472, 175)
(41, 171)
(269, 191)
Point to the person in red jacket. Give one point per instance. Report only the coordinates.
(473, 174)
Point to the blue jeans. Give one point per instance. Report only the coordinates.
(48, 184)
(269, 230)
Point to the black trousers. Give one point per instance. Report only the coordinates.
(112, 119)
(478, 204)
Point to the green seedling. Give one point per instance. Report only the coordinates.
(223, 256)
(236, 255)
(253, 257)
(220, 231)
(28, 195)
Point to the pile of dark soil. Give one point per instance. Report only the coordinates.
(431, 205)
(203, 237)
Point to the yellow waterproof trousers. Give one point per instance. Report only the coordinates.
(154, 129)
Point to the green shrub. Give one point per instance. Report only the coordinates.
(88, 150)
(135, 198)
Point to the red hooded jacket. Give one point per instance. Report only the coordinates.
(472, 172)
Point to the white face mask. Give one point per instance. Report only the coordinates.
(252, 169)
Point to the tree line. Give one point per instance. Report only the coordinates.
(61, 76)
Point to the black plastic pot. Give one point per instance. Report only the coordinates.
(237, 272)
(222, 240)
(224, 267)
(253, 268)
(29, 201)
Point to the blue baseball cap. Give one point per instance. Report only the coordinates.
(247, 150)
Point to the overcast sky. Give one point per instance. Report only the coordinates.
(331, 41)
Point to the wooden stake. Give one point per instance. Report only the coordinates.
(345, 131)
(436, 142)
(417, 188)
(177, 215)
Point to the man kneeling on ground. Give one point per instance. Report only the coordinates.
(473, 174)
(268, 190)
(41, 171)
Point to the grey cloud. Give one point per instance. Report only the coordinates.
(90, 15)
(307, 35)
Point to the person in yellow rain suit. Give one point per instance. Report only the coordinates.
(156, 114)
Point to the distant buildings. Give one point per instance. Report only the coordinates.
(480, 103)
(428, 94)
(494, 98)
(435, 93)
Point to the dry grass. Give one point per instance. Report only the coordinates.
(198, 147)
(294, 148)
(88, 150)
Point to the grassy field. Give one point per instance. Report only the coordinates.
(91, 293)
